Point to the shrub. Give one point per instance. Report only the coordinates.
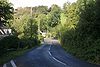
(29, 43)
(8, 42)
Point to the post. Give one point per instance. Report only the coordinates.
(31, 22)
(31, 12)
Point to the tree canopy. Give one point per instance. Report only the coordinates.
(81, 29)
(6, 11)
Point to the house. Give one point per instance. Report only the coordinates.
(5, 31)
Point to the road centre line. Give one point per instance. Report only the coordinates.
(55, 58)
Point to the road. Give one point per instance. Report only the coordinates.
(48, 55)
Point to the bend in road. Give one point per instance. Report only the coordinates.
(48, 55)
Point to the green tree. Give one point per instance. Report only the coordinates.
(6, 12)
(53, 17)
(84, 15)
(31, 29)
(85, 26)
(42, 21)
(21, 18)
(65, 7)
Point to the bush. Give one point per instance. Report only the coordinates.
(28, 43)
(85, 48)
(8, 42)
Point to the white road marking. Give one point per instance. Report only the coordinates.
(55, 58)
(4, 65)
(49, 53)
(12, 63)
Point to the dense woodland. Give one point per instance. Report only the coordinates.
(81, 35)
(76, 25)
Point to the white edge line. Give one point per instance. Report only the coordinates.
(12, 63)
(54, 57)
(4, 65)
(49, 53)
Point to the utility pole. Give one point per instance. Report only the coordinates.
(31, 12)
(31, 22)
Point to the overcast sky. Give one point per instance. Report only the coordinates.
(24, 3)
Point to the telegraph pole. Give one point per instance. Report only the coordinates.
(31, 12)
(31, 22)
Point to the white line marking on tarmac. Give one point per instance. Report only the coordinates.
(49, 53)
(12, 63)
(54, 57)
(4, 65)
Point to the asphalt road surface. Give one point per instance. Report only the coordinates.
(48, 55)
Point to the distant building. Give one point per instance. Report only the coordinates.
(5, 32)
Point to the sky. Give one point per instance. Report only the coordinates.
(29, 3)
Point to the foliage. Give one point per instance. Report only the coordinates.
(26, 28)
(53, 17)
(6, 11)
(31, 33)
(82, 40)
(21, 18)
(31, 29)
(42, 22)
(9, 42)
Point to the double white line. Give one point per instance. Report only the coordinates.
(12, 63)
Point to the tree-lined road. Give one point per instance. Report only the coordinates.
(48, 55)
